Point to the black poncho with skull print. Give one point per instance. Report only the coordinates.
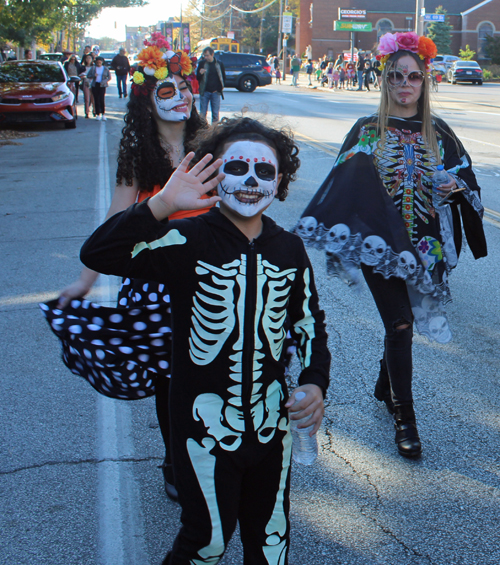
(376, 208)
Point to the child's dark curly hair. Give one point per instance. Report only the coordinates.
(229, 130)
(141, 155)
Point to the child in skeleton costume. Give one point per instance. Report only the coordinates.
(121, 351)
(376, 211)
(234, 276)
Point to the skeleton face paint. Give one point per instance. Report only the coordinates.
(251, 182)
(172, 99)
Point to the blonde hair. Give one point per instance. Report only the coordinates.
(424, 106)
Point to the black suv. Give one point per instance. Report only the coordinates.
(245, 71)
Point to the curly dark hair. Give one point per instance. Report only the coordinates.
(228, 130)
(140, 154)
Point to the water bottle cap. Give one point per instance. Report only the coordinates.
(440, 167)
(300, 396)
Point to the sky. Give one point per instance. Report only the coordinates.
(154, 11)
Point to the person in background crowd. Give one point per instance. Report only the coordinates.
(378, 73)
(350, 72)
(360, 67)
(336, 77)
(276, 63)
(99, 76)
(277, 73)
(329, 74)
(295, 65)
(309, 70)
(86, 51)
(88, 63)
(340, 60)
(367, 73)
(211, 75)
(73, 69)
(341, 76)
(121, 65)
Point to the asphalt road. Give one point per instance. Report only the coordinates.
(79, 476)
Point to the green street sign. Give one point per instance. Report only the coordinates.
(340, 25)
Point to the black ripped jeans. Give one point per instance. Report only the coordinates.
(393, 304)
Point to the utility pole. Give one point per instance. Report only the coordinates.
(419, 20)
(201, 20)
(261, 26)
(280, 42)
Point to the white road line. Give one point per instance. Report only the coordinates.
(121, 531)
(478, 141)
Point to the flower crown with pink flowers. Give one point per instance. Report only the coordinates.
(390, 43)
(157, 61)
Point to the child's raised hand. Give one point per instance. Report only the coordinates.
(311, 404)
(185, 188)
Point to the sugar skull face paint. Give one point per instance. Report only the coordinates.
(172, 99)
(251, 182)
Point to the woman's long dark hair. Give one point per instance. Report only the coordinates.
(141, 155)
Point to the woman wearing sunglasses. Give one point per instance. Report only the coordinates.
(375, 214)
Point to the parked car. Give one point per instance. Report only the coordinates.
(36, 91)
(245, 71)
(108, 56)
(443, 62)
(50, 57)
(465, 71)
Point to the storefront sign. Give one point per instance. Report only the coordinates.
(351, 26)
(351, 14)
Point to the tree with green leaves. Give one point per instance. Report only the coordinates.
(25, 21)
(492, 49)
(466, 54)
(440, 33)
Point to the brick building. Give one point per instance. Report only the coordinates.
(471, 21)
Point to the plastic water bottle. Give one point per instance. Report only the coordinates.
(438, 178)
(304, 448)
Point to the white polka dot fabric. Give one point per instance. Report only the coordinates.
(119, 351)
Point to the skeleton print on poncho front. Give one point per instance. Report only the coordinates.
(375, 208)
(229, 299)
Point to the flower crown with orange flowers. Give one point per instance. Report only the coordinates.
(157, 61)
(390, 43)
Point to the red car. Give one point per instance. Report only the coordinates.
(36, 91)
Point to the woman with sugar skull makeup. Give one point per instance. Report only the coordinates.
(113, 350)
(375, 213)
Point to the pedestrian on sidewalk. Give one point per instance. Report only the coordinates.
(99, 77)
(309, 70)
(341, 76)
(88, 63)
(211, 75)
(360, 67)
(336, 77)
(350, 72)
(367, 73)
(278, 75)
(73, 69)
(379, 211)
(296, 63)
(121, 65)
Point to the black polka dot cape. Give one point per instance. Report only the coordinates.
(119, 351)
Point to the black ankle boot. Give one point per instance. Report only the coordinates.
(168, 477)
(407, 438)
(383, 388)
